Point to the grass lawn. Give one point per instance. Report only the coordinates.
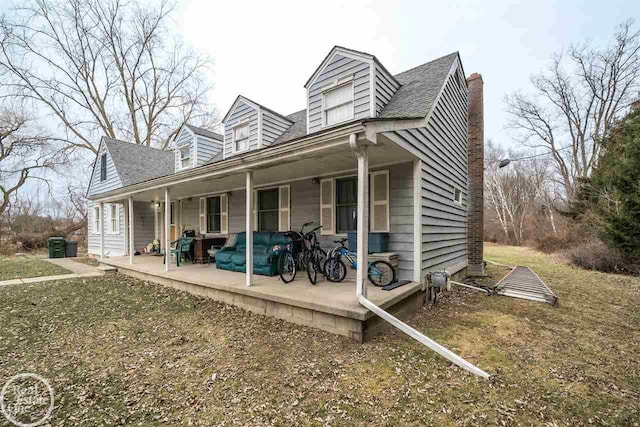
(28, 266)
(119, 351)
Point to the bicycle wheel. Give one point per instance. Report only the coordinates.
(381, 273)
(313, 268)
(335, 270)
(287, 267)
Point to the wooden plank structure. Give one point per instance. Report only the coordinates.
(522, 282)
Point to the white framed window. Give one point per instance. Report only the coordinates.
(96, 219)
(337, 104)
(113, 219)
(241, 137)
(457, 196)
(185, 157)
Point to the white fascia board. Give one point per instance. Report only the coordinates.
(250, 160)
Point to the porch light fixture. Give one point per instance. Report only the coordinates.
(316, 181)
(156, 205)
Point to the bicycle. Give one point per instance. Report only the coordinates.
(380, 273)
(297, 254)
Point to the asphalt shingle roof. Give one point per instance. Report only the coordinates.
(136, 163)
(420, 87)
(414, 99)
(205, 132)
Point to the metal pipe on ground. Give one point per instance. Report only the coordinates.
(486, 291)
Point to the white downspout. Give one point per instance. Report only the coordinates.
(361, 285)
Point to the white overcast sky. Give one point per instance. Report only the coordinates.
(268, 49)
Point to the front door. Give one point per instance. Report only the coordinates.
(173, 228)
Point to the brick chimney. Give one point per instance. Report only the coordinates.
(475, 168)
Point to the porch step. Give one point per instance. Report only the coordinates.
(107, 269)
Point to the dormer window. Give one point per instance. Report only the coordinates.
(185, 157)
(241, 137)
(337, 104)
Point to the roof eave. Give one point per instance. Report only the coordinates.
(244, 160)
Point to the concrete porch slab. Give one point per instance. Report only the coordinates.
(328, 306)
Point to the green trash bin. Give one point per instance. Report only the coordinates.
(56, 247)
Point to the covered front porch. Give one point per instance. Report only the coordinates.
(386, 182)
(329, 306)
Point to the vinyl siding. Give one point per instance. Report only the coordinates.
(385, 88)
(442, 147)
(185, 137)
(305, 207)
(113, 243)
(241, 112)
(340, 67)
(207, 149)
(143, 224)
(272, 127)
(113, 180)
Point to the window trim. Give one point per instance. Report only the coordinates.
(110, 218)
(188, 157)
(257, 207)
(453, 195)
(246, 123)
(96, 219)
(207, 214)
(103, 167)
(335, 86)
(335, 202)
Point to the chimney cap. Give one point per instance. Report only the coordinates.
(474, 76)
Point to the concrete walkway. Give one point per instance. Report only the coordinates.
(78, 270)
(73, 266)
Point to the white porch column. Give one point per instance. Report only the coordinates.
(132, 249)
(167, 229)
(363, 221)
(249, 229)
(101, 230)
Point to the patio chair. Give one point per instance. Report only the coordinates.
(182, 248)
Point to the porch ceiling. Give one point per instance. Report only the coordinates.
(336, 160)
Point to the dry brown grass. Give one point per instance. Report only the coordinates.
(119, 351)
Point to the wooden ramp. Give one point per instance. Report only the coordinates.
(522, 282)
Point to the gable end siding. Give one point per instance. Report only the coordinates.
(242, 112)
(185, 137)
(113, 180)
(442, 147)
(340, 67)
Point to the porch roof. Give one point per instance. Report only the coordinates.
(271, 166)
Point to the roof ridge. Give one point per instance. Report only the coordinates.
(456, 52)
(120, 141)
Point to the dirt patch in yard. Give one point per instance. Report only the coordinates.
(121, 351)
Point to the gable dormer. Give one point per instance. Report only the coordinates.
(348, 85)
(249, 125)
(195, 146)
(104, 176)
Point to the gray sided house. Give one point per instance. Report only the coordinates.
(416, 136)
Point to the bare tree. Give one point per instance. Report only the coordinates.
(25, 154)
(103, 67)
(575, 103)
(515, 193)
